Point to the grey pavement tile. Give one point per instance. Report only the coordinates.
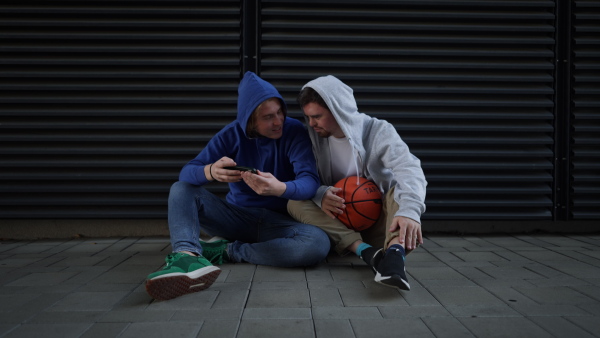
(447, 327)
(57, 330)
(510, 272)
(193, 301)
(66, 317)
(42, 279)
(277, 313)
(160, 330)
(112, 259)
(346, 313)
(477, 310)
(318, 273)
(510, 296)
(333, 328)
(239, 272)
(341, 273)
(325, 297)
(421, 257)
(134, 301)
(464, 296)
(474, 273)
(273, 274)
(439, 273)
(146, 247)
(69, 261)
(556, 295)
(446, 282)
(591, 308)
(390, 312)
(532, 310)
(581, 270)
(503, 327)
(104, 330)
(10, 302)
(420, 297)
(219, 328)
(88, 301)
(479, 256)
(137, 316)
(560, 327)
(381, 296)
(544, 256)
(4, 328)
(589, 324)
(342, 284)
(207, 314)
(16, 261)
(231, 299)
(392, 328)
(108, 287)
(276, 328)
(278, 298)
(512, 257)
(447, 257)
(134, 276)
(219, 286)
(291, 285)
(451, 242)
(562, 280)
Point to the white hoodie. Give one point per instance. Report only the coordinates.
(386, 159)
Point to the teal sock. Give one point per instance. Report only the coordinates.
(361, 247)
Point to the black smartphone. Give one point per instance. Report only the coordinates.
(242, 168)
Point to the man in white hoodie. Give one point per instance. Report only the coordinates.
(348, 143)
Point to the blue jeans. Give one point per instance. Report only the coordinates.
(258, 235)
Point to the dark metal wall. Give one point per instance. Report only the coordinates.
(102, 102)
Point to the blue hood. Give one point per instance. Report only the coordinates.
(253, 91)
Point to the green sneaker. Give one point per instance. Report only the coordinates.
(215, 250)
(183, 274)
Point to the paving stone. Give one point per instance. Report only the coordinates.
(392, 328)
(381, 296)
(231, 299)
(277, 313)
(103, 330)
(278, 298)
(333, 328)
(43, 278)
(390, 312)
(137, 316)
(464, 296)
(325, 297)
(442, 273)
(276, 328)
(560, 327)
(66, 317)
(239, 272)
(56, 330)
(219, 328)
(207, 314)
(279, 285)
(318, 273)
(589, 324)
(273, 274)
(193, 301)
(479, 256)
(556, 295)
(342, 284)
(159, 330)
(88, 301)
(532, 310)
(420, 297)
(513, 327)
(443, 327)
(510, 273)
(500, 310)
(346, 313)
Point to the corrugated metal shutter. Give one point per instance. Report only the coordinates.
(102, 102)
(586, 111)
(468, 85)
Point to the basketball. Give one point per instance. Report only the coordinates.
(363, 202)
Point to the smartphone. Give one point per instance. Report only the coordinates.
(242, 168)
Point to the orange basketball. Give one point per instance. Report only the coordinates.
(363, 202)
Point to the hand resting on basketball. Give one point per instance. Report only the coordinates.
(332, 204)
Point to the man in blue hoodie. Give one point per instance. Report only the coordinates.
(252, 224)
(349, 143)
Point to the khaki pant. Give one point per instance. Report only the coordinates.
(342, 237)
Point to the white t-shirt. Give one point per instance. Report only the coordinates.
(344, 160)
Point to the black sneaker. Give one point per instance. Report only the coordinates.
(372, 256)
(390, 270)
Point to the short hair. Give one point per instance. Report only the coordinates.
(250, 128)
(308, 95)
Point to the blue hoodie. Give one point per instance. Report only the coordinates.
(289, 158)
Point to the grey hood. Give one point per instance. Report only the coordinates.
(386, 159)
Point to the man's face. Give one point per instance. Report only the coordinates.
(322, 121)
(269, 119)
